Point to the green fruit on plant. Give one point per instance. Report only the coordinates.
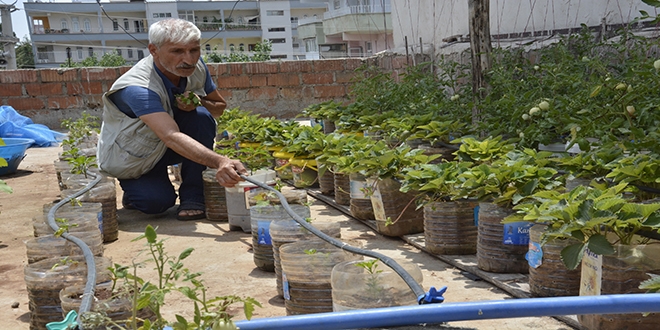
(656, 64)
(621, 86)
(630, 109)
(534, 110)
(544, 105)
(525, 116)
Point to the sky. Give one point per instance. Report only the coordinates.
(18, 19)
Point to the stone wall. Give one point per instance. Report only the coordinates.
(279, 89)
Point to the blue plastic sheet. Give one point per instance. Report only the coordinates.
(14, 125)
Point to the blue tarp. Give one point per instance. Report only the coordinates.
(14, 125)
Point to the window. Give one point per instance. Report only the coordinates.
(140, 54)
(115, 25)
(310, 45)
(119, 51)
(38, 26)
(90, 51)
(274, 12)
(207, 47)
(277, 41)
(126, 26)
(277, 29)
(187, 15)
(294, 20)
(130, 52)
(205, 19)
(87, 25)
(241, 47)
(231, 47)
(139, 26)
(64, 24)
(75, 24)
(80, 52)
(274, 57)
(337, 4)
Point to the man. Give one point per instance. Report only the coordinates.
(150, 122)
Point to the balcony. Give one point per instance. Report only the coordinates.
(362, 9)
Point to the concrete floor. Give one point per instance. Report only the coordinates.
(223, 257)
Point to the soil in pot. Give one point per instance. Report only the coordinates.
(449, 227)
(214, 197)
(399, 208)
(620, 273)
(501, 248)
(360, 205)
(306, 269)
(548, 276)
(342, 189)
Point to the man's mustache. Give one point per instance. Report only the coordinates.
(185, 66)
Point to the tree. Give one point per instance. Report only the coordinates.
(24, 55)
(111, 59)
(261, 53)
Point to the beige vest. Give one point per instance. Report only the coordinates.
(127, 147)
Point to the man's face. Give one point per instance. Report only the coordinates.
(178, 59)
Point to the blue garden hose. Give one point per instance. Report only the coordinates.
(88, 293)
(431, 297)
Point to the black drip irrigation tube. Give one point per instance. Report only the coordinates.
(432, 297)
(88, 293)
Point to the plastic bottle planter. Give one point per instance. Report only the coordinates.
(327, 182)
(501, 248)
(238, 212)
(61, 166)
(46, 278)
(305, 173)
(342, 189)
(389, 203)
(360, 207)
(214, 197)
(261, 218)
(44, 247)
(306, 269)
(106, 194)
(282, 165)
(283, 232)
(548, 277)
(619, 274)
(79, 218)
(450, 228)
(356, 287)
(118, 307)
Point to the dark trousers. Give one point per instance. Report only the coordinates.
(153, 192)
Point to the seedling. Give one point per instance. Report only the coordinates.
(373, 283)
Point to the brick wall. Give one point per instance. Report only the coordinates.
(280, 89)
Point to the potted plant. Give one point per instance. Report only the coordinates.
(605, 227)
(449, 226)
(499, 183)
(305, 143)
(381, 166)
(641, 172)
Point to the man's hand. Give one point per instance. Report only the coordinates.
(228, 174)
(188, 101)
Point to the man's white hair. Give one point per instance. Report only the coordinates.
(173, 30)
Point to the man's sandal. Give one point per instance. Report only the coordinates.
(190, 207)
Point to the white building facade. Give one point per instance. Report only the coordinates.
(79, 29)
(442, 26)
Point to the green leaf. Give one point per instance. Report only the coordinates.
(186, 253)
(598, 244)
(652, 3)
(150, 234)
(181, 320)
(653, 220)
(571, 255)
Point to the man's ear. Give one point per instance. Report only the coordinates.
(152, 49)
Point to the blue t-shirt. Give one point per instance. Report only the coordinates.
(136, 101)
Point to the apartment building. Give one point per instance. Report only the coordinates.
(77, 29)
(354, 28)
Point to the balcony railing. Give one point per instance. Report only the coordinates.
(309, 20)
(228, 26)
(362, 9)
(40, 30)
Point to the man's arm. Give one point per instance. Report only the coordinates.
(168, 131)
(214, 103)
